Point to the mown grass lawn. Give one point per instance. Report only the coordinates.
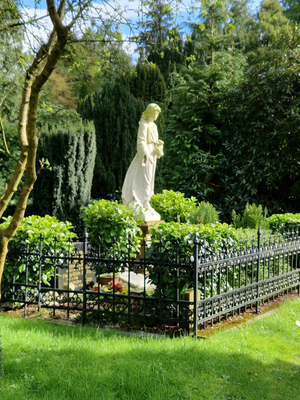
(257, 361)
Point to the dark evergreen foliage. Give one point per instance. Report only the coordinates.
(292, 10)
(63, 190)
(193, 140)
(116, 115)
(262, 143)
(85, 107)
(116, 111)
(159, 39)
(148, 84)
(85, 90)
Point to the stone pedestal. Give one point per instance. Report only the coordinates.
(146, 227)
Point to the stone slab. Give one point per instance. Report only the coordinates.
(136, 280)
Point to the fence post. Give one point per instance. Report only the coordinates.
(85, 241)
(196, 264)
(14, 276)
(40, 271)
(258, 266)
(26, 280)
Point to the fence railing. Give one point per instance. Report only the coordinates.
(186, 286)
(248, 276)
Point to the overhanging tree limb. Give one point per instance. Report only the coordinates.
(21, 23)
(36, 76)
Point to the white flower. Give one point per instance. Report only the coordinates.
(158, 148)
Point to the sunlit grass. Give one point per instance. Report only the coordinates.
(258, 361)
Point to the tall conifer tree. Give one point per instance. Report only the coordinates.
(116, 113)
(66, 187)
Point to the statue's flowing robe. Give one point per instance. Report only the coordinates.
(138, 185)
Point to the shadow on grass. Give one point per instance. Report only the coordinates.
(93, 364)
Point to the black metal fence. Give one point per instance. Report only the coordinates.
(230, 279)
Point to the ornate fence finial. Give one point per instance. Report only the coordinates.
(258, 238)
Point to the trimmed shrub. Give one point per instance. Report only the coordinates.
(177, 240)
(284, 222)
(253, 217)
(111, 224)
(205, 213)
(65, 187)
(54, 237)
(173, 206)
(211, 237)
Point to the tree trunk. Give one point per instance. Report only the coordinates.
(3, 253)
(36, 76)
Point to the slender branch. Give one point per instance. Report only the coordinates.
(5, 143)
(61, 8)
(129, 40)
(21, 23)
(52, 116)
(1, 102)
(3, 135)
(81, 9)
(10, 155)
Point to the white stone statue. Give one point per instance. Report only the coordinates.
(138, 186)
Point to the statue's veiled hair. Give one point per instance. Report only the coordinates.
(150, 108)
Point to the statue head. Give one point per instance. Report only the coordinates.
(151, 113)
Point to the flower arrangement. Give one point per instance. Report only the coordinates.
(111, 287)
(118, 287)
(159, 152)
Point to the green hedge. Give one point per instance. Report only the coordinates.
(284, 222)
(55, 237)
(178, 240)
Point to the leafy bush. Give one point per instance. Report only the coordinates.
(284, 222)
(173, 206)
(253, 217)
(171, 241)
(265, 104)
(211, 237)
(205, 213)
(177, 240)
(54, 237)
(114, 224)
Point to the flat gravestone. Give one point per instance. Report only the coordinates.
(71, 277)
